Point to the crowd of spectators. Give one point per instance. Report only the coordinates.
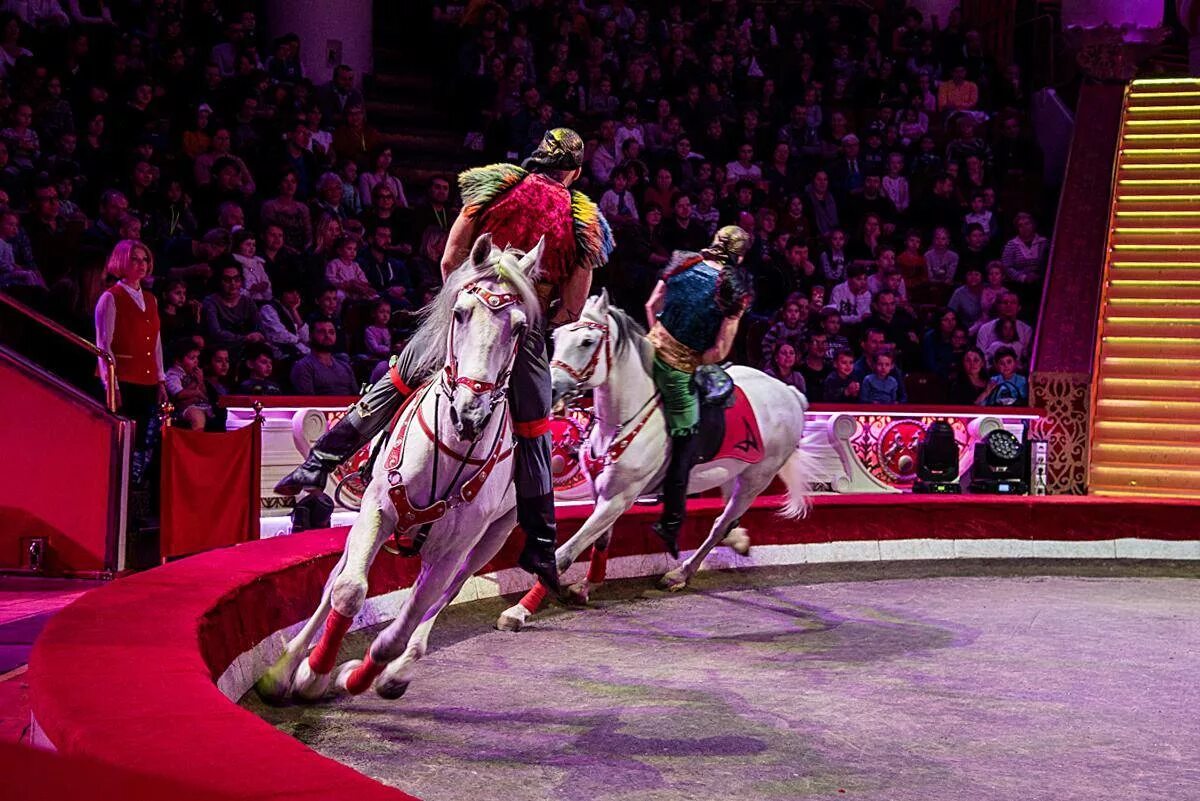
(882, 162)
(287, 254)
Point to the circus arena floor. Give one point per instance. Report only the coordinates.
(812, 682)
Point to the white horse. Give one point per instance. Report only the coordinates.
(605, 350)
(446, 481)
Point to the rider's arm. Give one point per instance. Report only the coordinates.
(655, 304)
(458, 245)
(724, 343)
(574, 295)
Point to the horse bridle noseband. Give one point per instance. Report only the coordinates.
(493, 301)
(603, 346)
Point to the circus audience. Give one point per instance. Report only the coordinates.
(890, 182)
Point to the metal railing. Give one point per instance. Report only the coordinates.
(110, 364)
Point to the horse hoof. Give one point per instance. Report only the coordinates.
(278, 683)
(391, 690)
(577, 594)
(507, 622)
(739, 541)
(311, 686)
(342, 673)
(673, 582)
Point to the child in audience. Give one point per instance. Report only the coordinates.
(255, 282)
(377, 337)
(1007, 388)
(186, 388)
(911, 262)
(941, 262)
(179, 317)
(840, 386)
(789, 327)
(895, 185)
(346, 274)
(831, 326)
(618, 204)
(258, 363)
(833, 261)
(993, 288)
(880, 386)
(980, 215)
(851, 297)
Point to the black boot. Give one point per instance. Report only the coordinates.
(362, 422)
(334, 447)
(674, 491)
(536, 517)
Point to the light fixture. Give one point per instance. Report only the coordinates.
(1001, 465)
(937, 461)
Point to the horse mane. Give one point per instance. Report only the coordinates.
(428, 342)
(630, 333)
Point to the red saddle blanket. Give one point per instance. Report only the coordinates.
(737, 436)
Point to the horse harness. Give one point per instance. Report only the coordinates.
(625, 435)
(411, 516)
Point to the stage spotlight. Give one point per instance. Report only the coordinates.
(937, 461)
(1001, 465)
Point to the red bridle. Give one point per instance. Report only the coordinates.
(494, 302)
(603, 346)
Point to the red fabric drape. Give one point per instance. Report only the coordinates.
(210, 489)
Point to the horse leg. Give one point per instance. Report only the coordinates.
(347, 596)
(744, 493)
(395, 679)
(578, 592)
(606, 512)
(277, 683)
(738, 538)
(436, 576)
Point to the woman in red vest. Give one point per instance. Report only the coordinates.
(127, 326)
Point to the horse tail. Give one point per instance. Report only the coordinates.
(797, 473)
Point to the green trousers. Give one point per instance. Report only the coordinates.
(680, 402)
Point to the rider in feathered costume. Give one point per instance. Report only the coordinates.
(693, 314)
(518, 206)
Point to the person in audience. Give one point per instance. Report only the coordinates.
(1025, 255)
(851, 298)
(791, 326)
(324, 372)
(970, 383)
(387, 275)
(1006, 387)
(937, 344)
(840, 385)
(880, 385)
(257, 365)
(377, 336)
(1008, 306)
(783, 365)
(346, 275)
(831, 327)
(185, 386)
(966, 302)
(256, 284)
(815, 366)
(874, 342)
(179, 317)
(941, 263)
(281, 323)
(230, 318)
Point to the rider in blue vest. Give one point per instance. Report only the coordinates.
(693, 314)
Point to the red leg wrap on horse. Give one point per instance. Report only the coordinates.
(364, 676)
(598, 565)
(533, 599)
(324, 656)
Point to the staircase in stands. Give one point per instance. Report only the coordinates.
(1146, 406)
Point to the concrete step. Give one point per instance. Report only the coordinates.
(1182, 457)
(1147, 367)
(1142, 388)
(1153, 308)
(1177, 327)
(1148, 434)
(1167, 291)
(1168, 412)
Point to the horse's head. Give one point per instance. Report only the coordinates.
(583, 350)
(490, 314)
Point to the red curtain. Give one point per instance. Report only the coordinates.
(210, 489)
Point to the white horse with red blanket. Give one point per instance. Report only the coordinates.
(627, 451)
(446, 481)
